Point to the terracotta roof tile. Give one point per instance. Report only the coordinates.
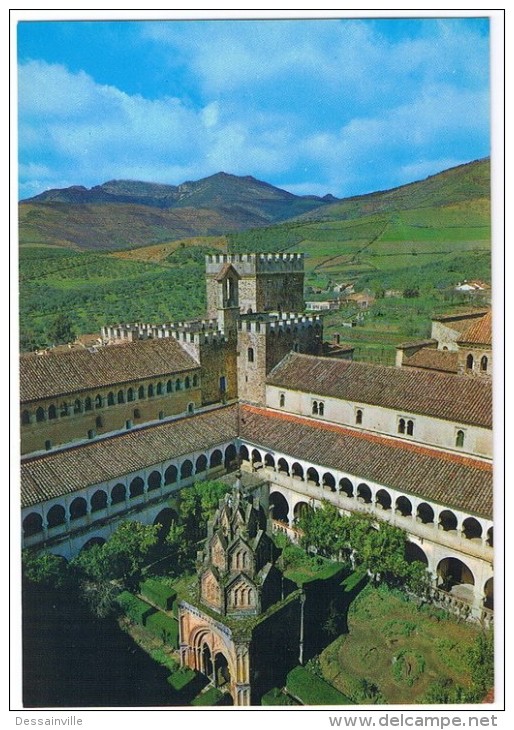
(445, 361)
(49, 375)
(478, 333)
(63, 472)
(450, 397)
(453, 480)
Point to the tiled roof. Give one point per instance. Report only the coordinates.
(456, 316)
(478, 333)
(450, 397)
(452, 480)
(49, 375)
(444, 361)
(63, 472)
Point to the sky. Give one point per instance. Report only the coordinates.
(340, 106)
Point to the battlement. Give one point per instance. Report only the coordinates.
(279, 324)
(143, 330)
(250, 264)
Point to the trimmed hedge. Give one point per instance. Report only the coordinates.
(353, 580)
(311, 690)
(163, 626)
(276, 697)
(181, 678)
(135, 608)
(158, 593)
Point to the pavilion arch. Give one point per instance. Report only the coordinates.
(312, 476)
(300, 510)
(216, 458)
(171, 474)
(383, 498)
(414, 553)
(280, 507)
(283, 466)
(118, 493)
(329, 481)
(186, 469)
(256, 457)
(98, 500)
(201, 464)
(56, 516)
(78, 508)
(165, 519)
(489, 594)
(364, 493)
(452, 572)
(32, 524)
(269, 461)
(230, 457)
(243, 453)
(346, 486)
(136, 488)
(472, 529)
(447, 520)
(297, 470)
(154, 480)
(425, 514)
(404, 506)
(221, 670)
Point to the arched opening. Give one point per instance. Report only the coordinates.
(165, 519)
(282, 400)
(314, 407)
(472, 529)
(447, 521)
(187, 382)
(490, 537)
(321, 408)
(99, 422)
(110, 399)
(92, 542)
(312, 476)
(404, 506)
(87, 404)
(221, 671)
(425, 514)
(329, 481)
(154, 480)
(65, 411)
(483, 364)
(256, 459)
(52, 412)
(455, 577)
(56, 516)
(25, 418)
(364, 493)
(169, 387)
(250, 354)
(401, 425)
(98, 500)
(413, 553)
(280, 508)
(346, 487)
(489, 594)
(383, 499)
(243, 453)
(297, 471)
(469, 362)
(77, 406)
(230, 456)
(130, 395)
(141, 392)
(32, 524)
(216, 458)
(98, 401)
(186, 469)
(170, 475)
(300, 510)
(283, 466)
(40, 415)
(201, 464)
(118, 493)
(358, 417)
(410, 428)
(459, 438)
(78, 508)
(136, 488)
(190, 408)
(150, 391)
(269, 461)
(159, 388)
(178, 384)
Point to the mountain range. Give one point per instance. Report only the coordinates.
(125, 214)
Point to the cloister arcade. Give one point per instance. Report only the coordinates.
(456, 547)
(66, 523)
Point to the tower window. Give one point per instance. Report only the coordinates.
(459, 439)
(401, 425)
(469, 362)
(282, 400)
(314, 407)
(358, 417)
(483, 364)
(410, 428)
(250, 354)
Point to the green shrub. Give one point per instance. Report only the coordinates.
(159, 593)
(210, 697)
(135, 608)
(163, 626)
(312, 690)
(181, 678)
(276, 697)
(354, 580)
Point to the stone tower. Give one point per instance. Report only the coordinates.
(267, 282)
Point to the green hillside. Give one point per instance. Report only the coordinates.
(421, 238)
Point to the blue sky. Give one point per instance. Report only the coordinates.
(341, 106)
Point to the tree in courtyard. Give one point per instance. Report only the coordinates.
(322, 530)
(481, 662)
(198, 503)
(45, 569)
(61, 330)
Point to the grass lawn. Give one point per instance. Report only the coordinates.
(397, 647)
